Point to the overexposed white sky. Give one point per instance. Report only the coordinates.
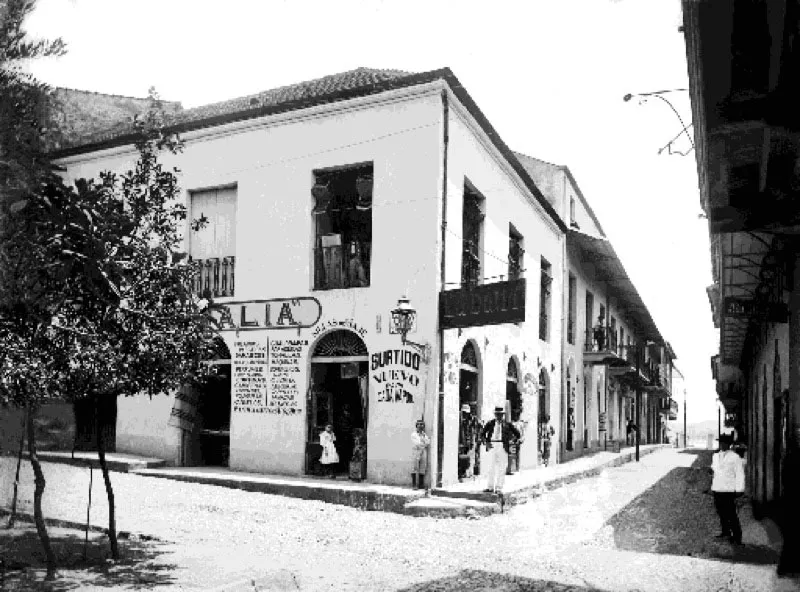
(549, 75)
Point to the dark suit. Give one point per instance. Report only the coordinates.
(508, 430)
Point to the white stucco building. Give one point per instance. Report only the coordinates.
(606, 326)
(327, 201)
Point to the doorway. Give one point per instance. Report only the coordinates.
(86, 425)
(214, 417)
(338, 395)
(469, 425)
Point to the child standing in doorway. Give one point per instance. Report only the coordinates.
(329, 456)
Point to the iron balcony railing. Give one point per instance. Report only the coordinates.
(214, 276)
(600, 338)
(342, 266)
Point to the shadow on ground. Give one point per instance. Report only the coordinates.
(702, 458)
(22, 565)
(676, 516)
(473, 580)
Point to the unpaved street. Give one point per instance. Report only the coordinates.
(646, 526)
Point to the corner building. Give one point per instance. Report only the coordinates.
(327, 201)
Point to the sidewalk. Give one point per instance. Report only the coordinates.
(521, 486)
(460, 499)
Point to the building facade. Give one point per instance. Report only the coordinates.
(326, 202)
(742, 68)
(611, 347)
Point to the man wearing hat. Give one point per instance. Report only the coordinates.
(727, 484)
(498, 434)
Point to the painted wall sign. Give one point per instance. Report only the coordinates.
(776, 312)
(250, 359)
(284, 372)
(277, 313)
(489, 304)
(340, 324)
(396, 375)
(266, 376)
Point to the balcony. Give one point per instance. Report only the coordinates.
(658, 381)
(600, 347)
(342, 266)
(214, 277)
(673, 410)
(637, 373)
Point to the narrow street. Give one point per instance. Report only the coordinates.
(646, 526)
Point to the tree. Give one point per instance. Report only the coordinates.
(127, 322)
(95, 293)
(23, 305)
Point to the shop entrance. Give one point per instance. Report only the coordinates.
(203, 414)
(469, 460)
(338, 395)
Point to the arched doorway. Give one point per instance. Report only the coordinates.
(570, 418)
(338, 395)
(513, 394)
(469, 422)
(544, 405)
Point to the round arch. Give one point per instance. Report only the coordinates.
(570, 404)
(470, 394)
(543, 387)
(470, 377)
(514, 398)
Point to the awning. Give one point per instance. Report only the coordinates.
(608, 268)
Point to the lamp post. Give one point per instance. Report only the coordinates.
(684, 418)
(404, 318)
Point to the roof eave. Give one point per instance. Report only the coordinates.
(422, 78)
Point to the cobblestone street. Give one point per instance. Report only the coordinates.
(646, 526)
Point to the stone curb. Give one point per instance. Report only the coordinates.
(119, 466)
(362, 499)
(122, 535)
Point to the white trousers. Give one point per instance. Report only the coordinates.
(497, 464)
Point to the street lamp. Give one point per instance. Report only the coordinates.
(404, 318)
(658, 94)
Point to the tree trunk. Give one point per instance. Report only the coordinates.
(13, 516)
(38, 492)
(101, 455)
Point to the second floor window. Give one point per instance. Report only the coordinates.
(472, 229)
(342, 227)
(544, 300)
(515, 254)
(212, 245)
(573, 221)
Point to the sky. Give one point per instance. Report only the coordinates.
(550, 75)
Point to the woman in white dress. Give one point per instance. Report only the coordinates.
(329, 455)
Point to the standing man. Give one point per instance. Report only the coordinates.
(498, 433)
(727, 484)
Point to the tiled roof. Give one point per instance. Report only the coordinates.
(336, 87)
(79, 115)
(113, 118)
(326, 85)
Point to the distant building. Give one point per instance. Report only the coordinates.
(611, 347)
